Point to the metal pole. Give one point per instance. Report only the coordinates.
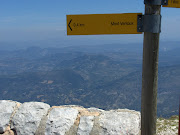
(150, 77)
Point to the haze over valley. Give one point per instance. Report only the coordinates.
(105, 76)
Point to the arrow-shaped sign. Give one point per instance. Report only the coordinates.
(95, 24)
(69, 24)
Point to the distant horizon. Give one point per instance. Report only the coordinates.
(11, 46)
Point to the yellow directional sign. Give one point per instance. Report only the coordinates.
(173, 3)
(94, 24)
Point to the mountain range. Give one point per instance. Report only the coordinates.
(107, 76)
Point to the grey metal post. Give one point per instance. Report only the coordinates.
(150, 77)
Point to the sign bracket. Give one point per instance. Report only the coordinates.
(149, 23)
(156, 2)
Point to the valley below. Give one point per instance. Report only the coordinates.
(106, 77)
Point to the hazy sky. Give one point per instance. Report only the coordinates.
(45, 20)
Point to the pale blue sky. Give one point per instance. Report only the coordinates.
(35, 20)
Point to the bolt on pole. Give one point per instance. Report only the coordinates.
(150, 76)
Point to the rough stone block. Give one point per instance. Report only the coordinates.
(6, 109)
(28, 117)
(120, 122)
(60, 121)
(86, 125)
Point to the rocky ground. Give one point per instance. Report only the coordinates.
(168, 126)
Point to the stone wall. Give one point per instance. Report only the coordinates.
(36, 118)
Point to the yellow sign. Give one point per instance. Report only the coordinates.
(94, 24)
(173, 3)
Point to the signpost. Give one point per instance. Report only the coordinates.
(150, 77)
(132, 23)
(94, 24)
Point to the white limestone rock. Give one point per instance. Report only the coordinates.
(28, 117)
(86, 125)
(60, 121)
(93, 109)
(6, 109)
(120, 122)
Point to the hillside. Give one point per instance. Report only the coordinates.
(107, 78)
